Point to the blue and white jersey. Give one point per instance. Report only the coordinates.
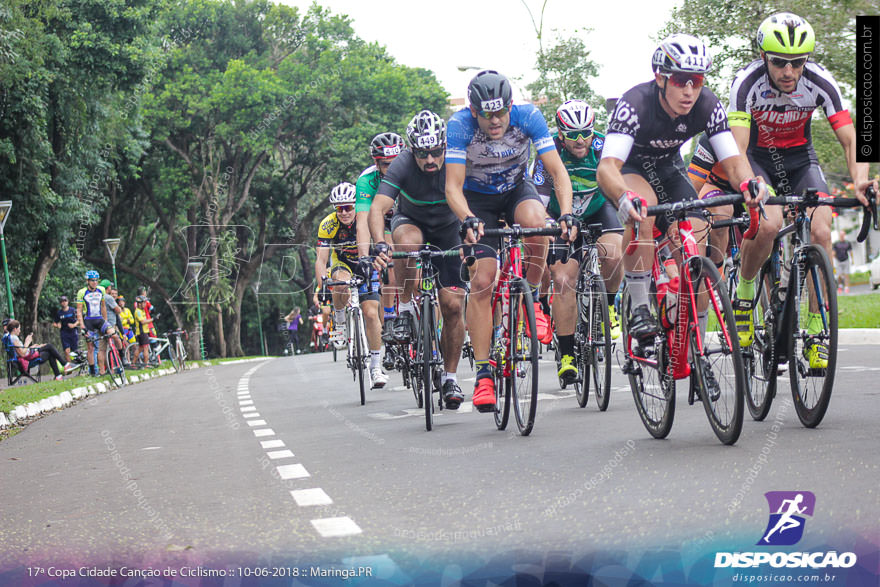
(496, 167)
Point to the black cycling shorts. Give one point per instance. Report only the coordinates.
(605, 215)
(369, 289)
(789, 171)
(441, 239)
(96, 325)
(669, 179)
(490, 207)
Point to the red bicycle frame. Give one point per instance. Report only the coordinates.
(512, 268)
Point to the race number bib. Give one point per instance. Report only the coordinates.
(391, 151)
(492, 105)
(427, 141)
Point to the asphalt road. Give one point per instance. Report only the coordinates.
(172, 472)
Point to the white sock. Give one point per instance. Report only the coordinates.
(447, 376)
(406, 307)
(339, 318)
(638, 282)
(375, 359)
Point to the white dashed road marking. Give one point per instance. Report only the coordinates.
(264, 432)
(292, 471)
(334, 527)
(272, 443)
(307, 497)
(279, 454)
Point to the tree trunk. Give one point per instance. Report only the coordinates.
(49, 253)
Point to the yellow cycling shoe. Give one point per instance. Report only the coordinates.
(568, 371)
(816, 353)
(745, 325)
(615, 322)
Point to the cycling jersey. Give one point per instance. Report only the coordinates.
(778, 120)
(422, 195)
(705, 167)
(91, 299)
(653, 135)
(496, 166)
(341, 239)
(366, 187)
(587, 199)
(126, 318)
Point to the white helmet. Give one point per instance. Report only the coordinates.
(575, 115)
(426, 130)
(681, 53)
(344, 193)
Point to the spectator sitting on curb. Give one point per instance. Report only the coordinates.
(28, 352)
(65, 320)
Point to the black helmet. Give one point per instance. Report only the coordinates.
(386, 145)
(490, 91)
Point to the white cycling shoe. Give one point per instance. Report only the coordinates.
(338, 338)
(379, 377)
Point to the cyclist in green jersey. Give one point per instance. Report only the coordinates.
(384, 148)
(580, 149)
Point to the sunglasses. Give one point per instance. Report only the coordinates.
(781, 62)
(345, 208)
(423, 153)
(573, 135)
(681, 80)
(495, 113)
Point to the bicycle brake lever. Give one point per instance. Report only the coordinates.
(869, 215)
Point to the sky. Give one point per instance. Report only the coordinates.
(444, 36)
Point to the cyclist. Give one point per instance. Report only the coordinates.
(383, 148)
(486, 156)
(771, 104)
(91, 316)
(580, 148)
(337, 243)
(424, 216)
(641, 159)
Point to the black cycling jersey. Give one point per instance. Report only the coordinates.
(657, 136)
(422, 195)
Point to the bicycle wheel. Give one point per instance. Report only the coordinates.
(718, 366)
(114, 365)
(815, 325)
(598, 347)
(181, 354)
(359, 350)
(172, 354)
(426, 357)
(502, 383)
(523, 355)
(652, 387)
(760, 359)
(581, 339)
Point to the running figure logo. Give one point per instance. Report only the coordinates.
(787, 511)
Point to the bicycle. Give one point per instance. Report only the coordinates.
(514, 347)
(712, 362)
(356, 341)
(785, 315)
(426, 365)
(155, 359)
(177, 349)
(113, 362)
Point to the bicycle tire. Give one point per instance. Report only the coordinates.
(760, 359)
(181, 354)
(502, 384)
(172, 354)
(114, 365)
(522, 353)
(723, 359)
(359, 350)
(426, 357)
(599, 344)
(811, 388)
(652, 388)
(581, 338)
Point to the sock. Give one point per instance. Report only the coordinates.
(566, 344)
(339, 318)
(375, 359)
(534, 288)
(745, 290)
(638, 283)
(483, 368)
(390, 313)
(447, 376)
(703, 321)
(406, 307)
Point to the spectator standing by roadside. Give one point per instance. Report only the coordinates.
(842, 261)
(294, 319)
(142, 330)
(148, 309)
(65, 320)
(126, 323)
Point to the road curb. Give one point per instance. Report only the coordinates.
(858, 336)
(25, 414)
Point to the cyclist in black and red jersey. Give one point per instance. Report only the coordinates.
(771, 103)
(641, 160)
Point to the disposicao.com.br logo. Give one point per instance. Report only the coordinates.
(785, 527)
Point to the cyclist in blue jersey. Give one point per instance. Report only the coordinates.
(488, 147)
(91, 315)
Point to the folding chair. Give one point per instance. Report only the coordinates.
(15, 371)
